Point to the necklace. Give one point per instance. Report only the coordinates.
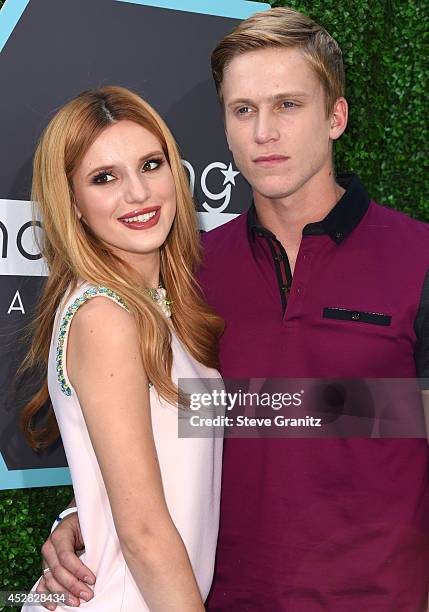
(159, 296)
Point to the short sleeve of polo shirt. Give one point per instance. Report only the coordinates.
(422, 333)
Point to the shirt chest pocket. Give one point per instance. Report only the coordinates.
(357, 316)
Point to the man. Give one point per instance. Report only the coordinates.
(315, 281)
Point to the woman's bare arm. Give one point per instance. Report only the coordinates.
(105, 369)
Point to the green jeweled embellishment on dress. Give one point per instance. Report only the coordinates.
(158, 295)
(87, 295)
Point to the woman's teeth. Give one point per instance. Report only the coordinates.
(140, 218)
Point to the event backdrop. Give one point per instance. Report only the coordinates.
(50, 50)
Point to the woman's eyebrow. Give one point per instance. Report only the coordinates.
(157, 152)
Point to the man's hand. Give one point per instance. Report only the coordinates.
(67, 573)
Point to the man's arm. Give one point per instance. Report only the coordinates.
(67, 572)
(421, 327)
(425, 403)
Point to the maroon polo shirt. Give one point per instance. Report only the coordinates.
(339, 525)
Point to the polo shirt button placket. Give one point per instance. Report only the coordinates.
(305, 254)
(301, 279)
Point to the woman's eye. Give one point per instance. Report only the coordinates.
(103, 177)
(151, 164)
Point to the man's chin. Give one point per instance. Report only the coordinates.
(275, 193)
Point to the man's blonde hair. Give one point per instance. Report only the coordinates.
(285, 27)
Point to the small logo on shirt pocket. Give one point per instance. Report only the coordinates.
(358, 316)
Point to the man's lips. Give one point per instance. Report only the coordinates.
(270, 160)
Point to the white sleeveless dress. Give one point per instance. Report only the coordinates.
(190, 469)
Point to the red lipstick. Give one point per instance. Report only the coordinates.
(151, 212)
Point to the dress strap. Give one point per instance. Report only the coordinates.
(89, 293)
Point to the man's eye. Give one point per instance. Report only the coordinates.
(243, 110)
(151, 164)
(103, 177)
(288, 104)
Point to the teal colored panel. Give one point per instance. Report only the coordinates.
(9, 17)
(236, 9)
(40, 477)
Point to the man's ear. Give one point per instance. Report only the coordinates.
(339, 118)
(227, 139)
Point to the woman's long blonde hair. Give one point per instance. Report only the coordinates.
(73, 252)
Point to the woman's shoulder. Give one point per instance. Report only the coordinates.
(82, 293)
(97, 310)
(101, 324)
(96, 326)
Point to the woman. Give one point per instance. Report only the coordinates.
(120, 226)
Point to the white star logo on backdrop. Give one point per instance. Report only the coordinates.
(229, 175)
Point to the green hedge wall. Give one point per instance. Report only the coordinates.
(384, 43)
(26, 516)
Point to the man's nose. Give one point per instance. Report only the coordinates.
(266, 127)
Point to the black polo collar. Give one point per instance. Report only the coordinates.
(339, 222)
